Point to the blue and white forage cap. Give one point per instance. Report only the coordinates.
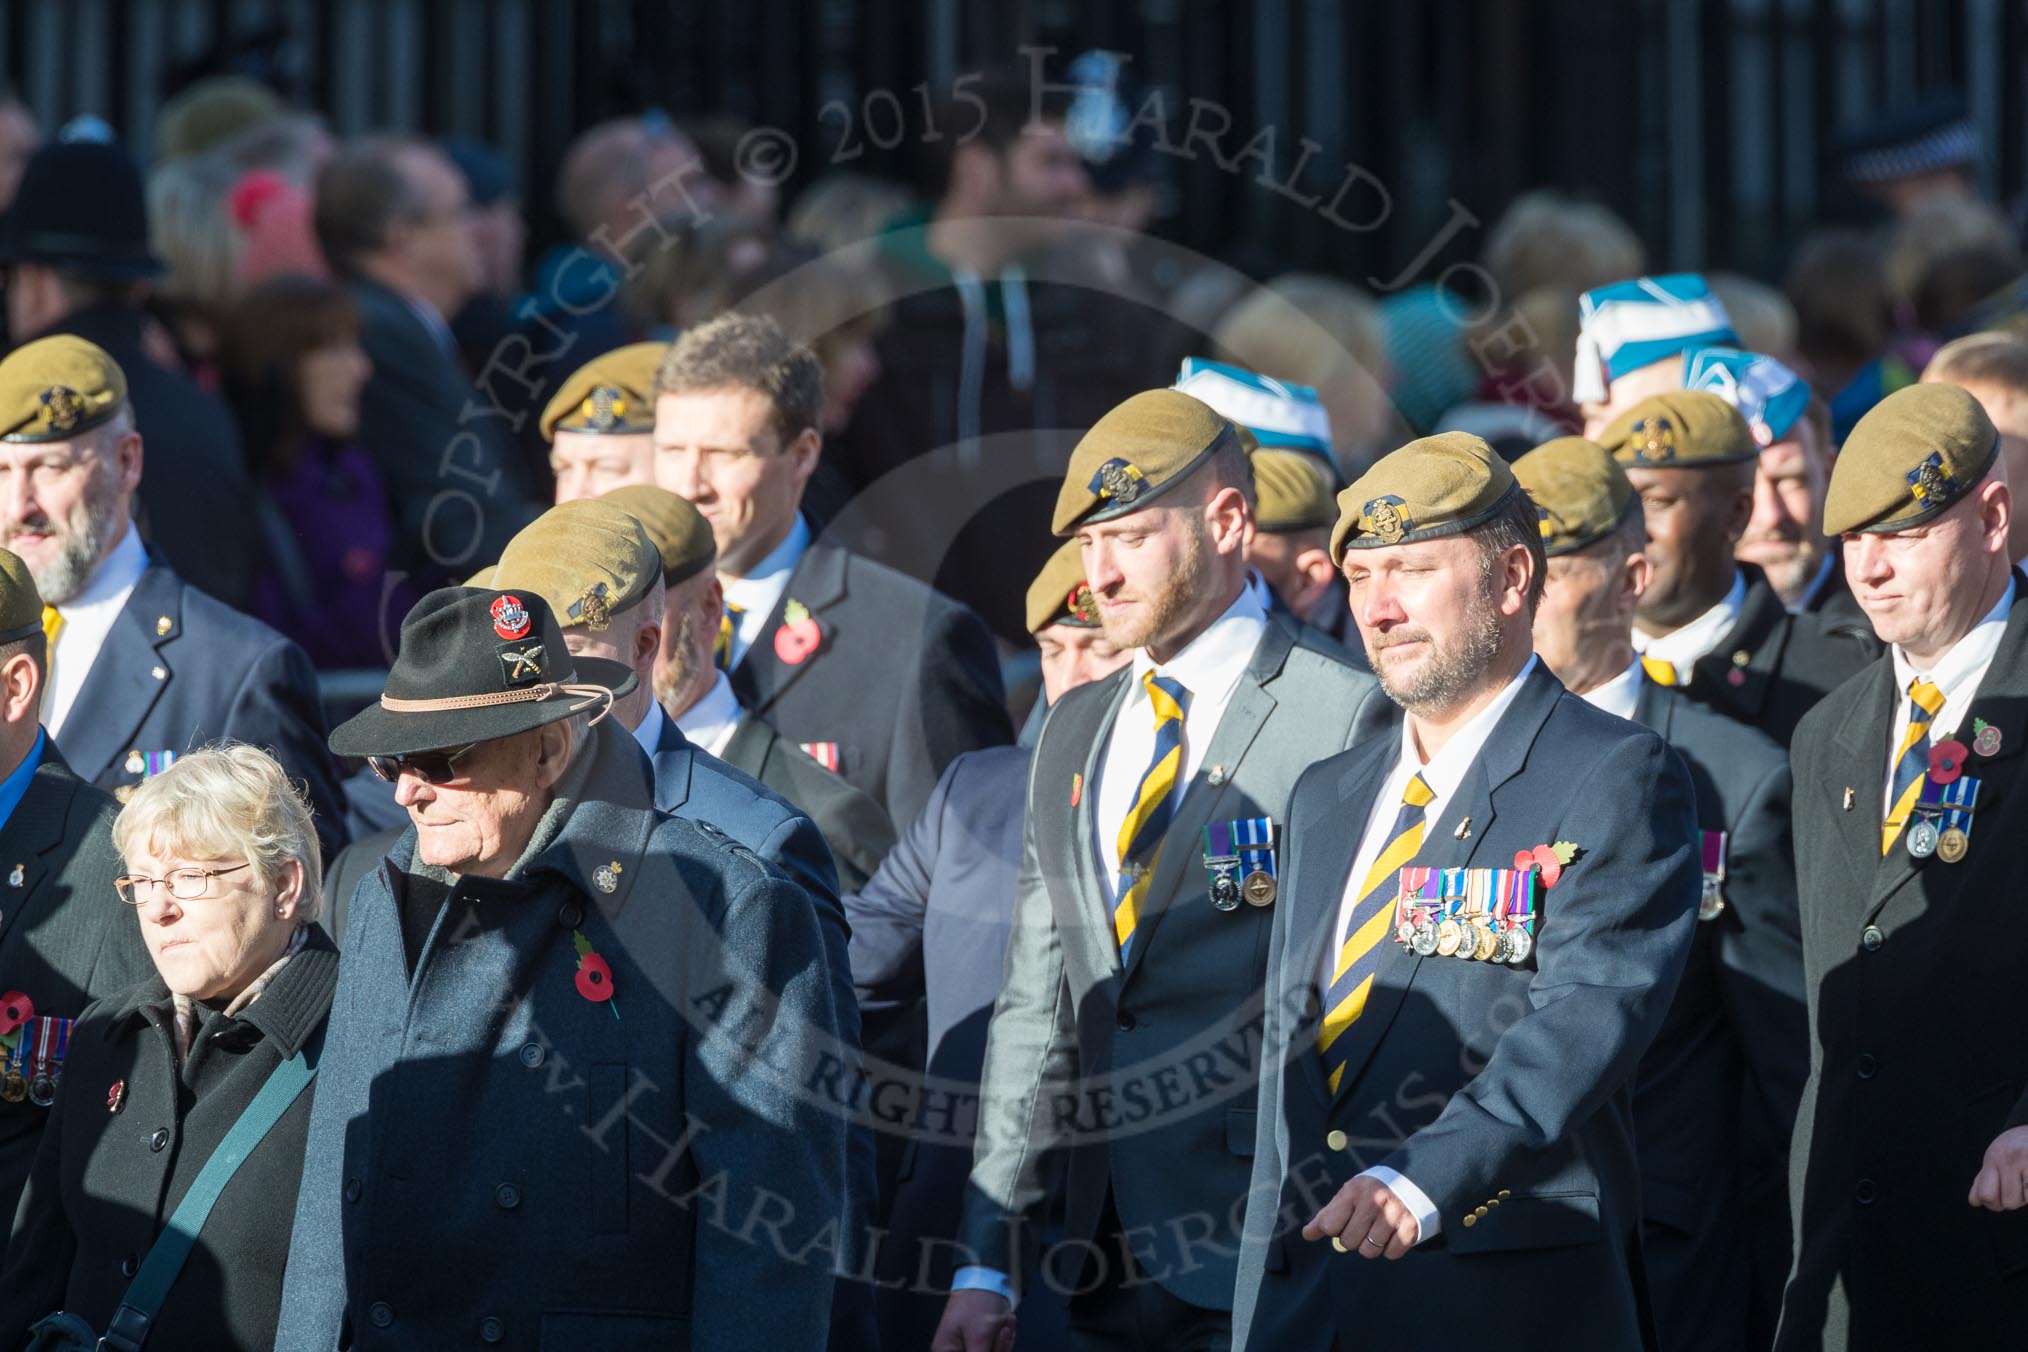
(1281, 416)
(1632, 324)
(1767, 394)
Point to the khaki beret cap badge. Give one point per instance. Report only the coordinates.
(1385, 521)
(1118, 481)
(1542, 523)
(61, 408)
(592, 610)
(1928, 482)
(1082, 606)
(605, 409)
(1655, 439)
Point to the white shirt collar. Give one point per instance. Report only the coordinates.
(1619, 695)
(711, 721)
(757, 593)
(115, 577)
(1967, 658)
(649, 734)
(1444, 771)
(1681, 648)
(1211, 664)
(87, 619)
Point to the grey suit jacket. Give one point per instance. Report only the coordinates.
(854, 827)
(1143, 1074)
(1499, 1090)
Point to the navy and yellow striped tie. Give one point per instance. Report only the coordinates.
(1911, 762)
(728, 624)
(1372, 923)
(1140, 840)
(1660, 672)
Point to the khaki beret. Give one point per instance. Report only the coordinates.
(587, 558)
(54, 388)
(1140, 448)
(1437, 486)
(1914, 454)
(483, 579)
(1580, 492)
(1683, 429)
(608, 395)
(1293, 490)
(678, 531)
(20, 602)
(1060, 595)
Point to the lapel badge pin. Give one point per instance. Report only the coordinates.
(594, 976)
(163, 624)
(18, 876)
(1548, 860)
(1985, 738)
(1217, 776)
(1464, 831)
(1076, 788)
(1848, 798)
(798, 636)
(116, 1097)
(606, 877)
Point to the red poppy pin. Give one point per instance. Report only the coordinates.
(15, 1010)
(1548, 860)
(594, 977)
(116, 1097)
(510, 618)
(1947, 760)
(1985, 738)
(799, 634)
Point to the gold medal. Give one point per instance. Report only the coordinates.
(1951, 845)
(1488, 943)
(1259, 888)
(13, 1089)
(1449, 935)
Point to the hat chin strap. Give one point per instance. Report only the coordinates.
(534, 694)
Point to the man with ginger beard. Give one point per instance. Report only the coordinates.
(1911, 1151)
(1484, 919)
(1147, 883)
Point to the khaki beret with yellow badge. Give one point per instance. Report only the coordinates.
(1436, 486)
(1914, 454)
(20, 602)
(1060, 595)
(1683, 429)
(55, 388)
(1135, 453)
(1293, 490)
(608, 395)
(678, 530)
(1580, 493)
(587, 558)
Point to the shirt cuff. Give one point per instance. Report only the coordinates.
(987, 1279)
(1415, 1199)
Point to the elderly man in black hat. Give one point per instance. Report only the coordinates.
(75, 249)
(569, 1028)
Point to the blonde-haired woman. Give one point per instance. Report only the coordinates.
(222, 872)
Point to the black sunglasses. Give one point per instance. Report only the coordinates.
(432, 767)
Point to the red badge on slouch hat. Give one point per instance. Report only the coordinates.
(15, 1010)
(510, 618)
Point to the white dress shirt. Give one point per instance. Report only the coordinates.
(1209, 668)
(1619, 695)
(1957, 673)
(1681, 648)
(711, 721)
(650, 731)
(87, 619)
(757, 592)
(1441, 774)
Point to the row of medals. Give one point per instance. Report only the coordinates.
(41, 1091)
(1924, 840)
(1226, 891)
(1474, 939)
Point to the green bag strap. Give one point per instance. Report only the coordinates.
(128, 1329)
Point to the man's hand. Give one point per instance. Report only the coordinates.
(975, 1321)
(2002, 1185)
(1368, 1219)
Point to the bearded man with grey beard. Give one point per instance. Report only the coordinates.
(142, 666)
(1148, 881)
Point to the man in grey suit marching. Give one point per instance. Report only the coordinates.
(1127, 1025)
